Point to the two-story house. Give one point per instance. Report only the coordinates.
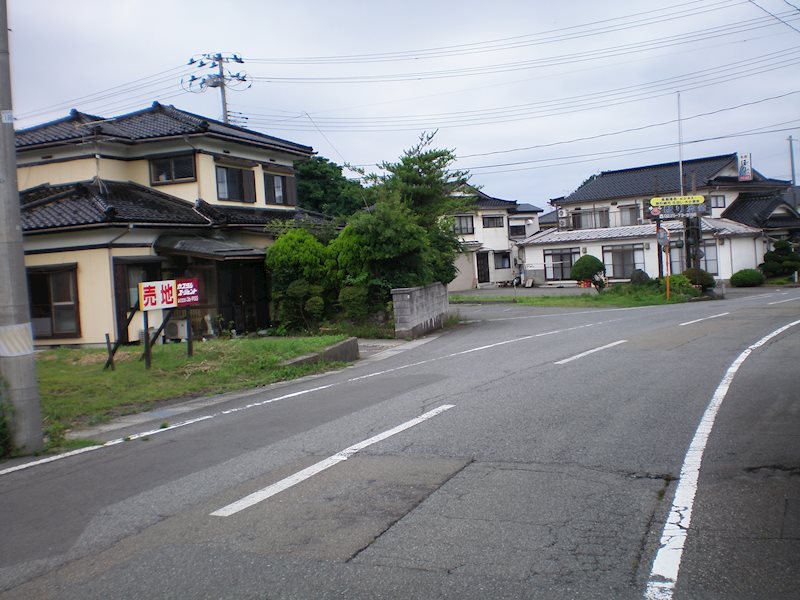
(609, 217)
(155, 194)
(489, 234)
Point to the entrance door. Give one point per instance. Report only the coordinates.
(483, 267)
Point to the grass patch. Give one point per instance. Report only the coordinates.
(75, 390)
(616, 296)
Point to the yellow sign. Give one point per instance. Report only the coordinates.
(676, 200)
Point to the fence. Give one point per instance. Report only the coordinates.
(419, 310)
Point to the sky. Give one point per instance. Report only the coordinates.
(532, 96)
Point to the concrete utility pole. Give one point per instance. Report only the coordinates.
(17, 365)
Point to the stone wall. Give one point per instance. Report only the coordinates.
(419, 310)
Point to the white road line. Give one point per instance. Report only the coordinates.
(129, 438)
(287, 396)
(592, 351)
(782, 301)
(703, 319)
(308, 472)
(664, 574)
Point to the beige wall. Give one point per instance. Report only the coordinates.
(95, 294)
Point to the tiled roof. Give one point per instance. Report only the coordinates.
(720, 227)
(649, 180)
(761, 210)
(95, 203)
(753, 208)
(89, 204)
(156, 122)
(527, 208)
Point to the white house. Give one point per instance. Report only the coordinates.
(609, 217)
(489, 234)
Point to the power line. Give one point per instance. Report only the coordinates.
(514, 42)
(586, 56)
(754, 3)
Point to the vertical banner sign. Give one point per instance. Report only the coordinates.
(745, 168)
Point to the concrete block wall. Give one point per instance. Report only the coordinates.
(419, 310)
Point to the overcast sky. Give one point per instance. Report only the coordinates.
(533, 96)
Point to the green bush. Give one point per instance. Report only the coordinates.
(747, 278)
(6, 408)
(679, 285)
(702, 278)
(772, 269)
(354, 301)
(586, 267)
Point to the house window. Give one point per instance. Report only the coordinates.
(516, 230)
(236, 184)
(708, 262)
(502, 260)
(174, 169)
(489, 222)
(54, 301)
(464, 225)
(629, 215)
(717, 200)
(280, 189)
(558, 263)
(590, 219)
(620, 261)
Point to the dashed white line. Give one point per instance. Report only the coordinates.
(588, 352)
(308, 472)
(703, 319)
(782, 301)
(664, 574)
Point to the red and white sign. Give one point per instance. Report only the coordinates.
(170, 293)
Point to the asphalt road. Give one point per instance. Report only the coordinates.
(529, 453)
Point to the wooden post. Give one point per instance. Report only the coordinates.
(146, 340)
(110, 361)
(189, 343)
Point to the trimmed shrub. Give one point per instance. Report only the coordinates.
(586, 267)
(702, 278)
(747, 278)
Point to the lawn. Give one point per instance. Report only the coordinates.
(75, 390)
(616, 296)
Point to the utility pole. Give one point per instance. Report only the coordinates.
(794, 180)
(223, 78)
(17, 363)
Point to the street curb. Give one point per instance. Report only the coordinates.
(345, 351)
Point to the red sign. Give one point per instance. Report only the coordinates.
(170, 293)
(188, 291)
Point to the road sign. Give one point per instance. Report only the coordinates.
(676, 200)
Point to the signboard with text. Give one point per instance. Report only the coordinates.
(170, 293)
(678, 207)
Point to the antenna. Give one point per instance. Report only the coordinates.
(216, 75)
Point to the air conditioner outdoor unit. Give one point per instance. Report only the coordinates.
(562, 223)
(176, 330)
(562, 212)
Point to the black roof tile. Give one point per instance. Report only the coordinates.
(756, 208)
(88, 204)
(155, 122)
(648, 180)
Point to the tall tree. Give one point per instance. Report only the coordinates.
(323, 188)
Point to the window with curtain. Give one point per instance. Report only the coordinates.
(53, 295)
